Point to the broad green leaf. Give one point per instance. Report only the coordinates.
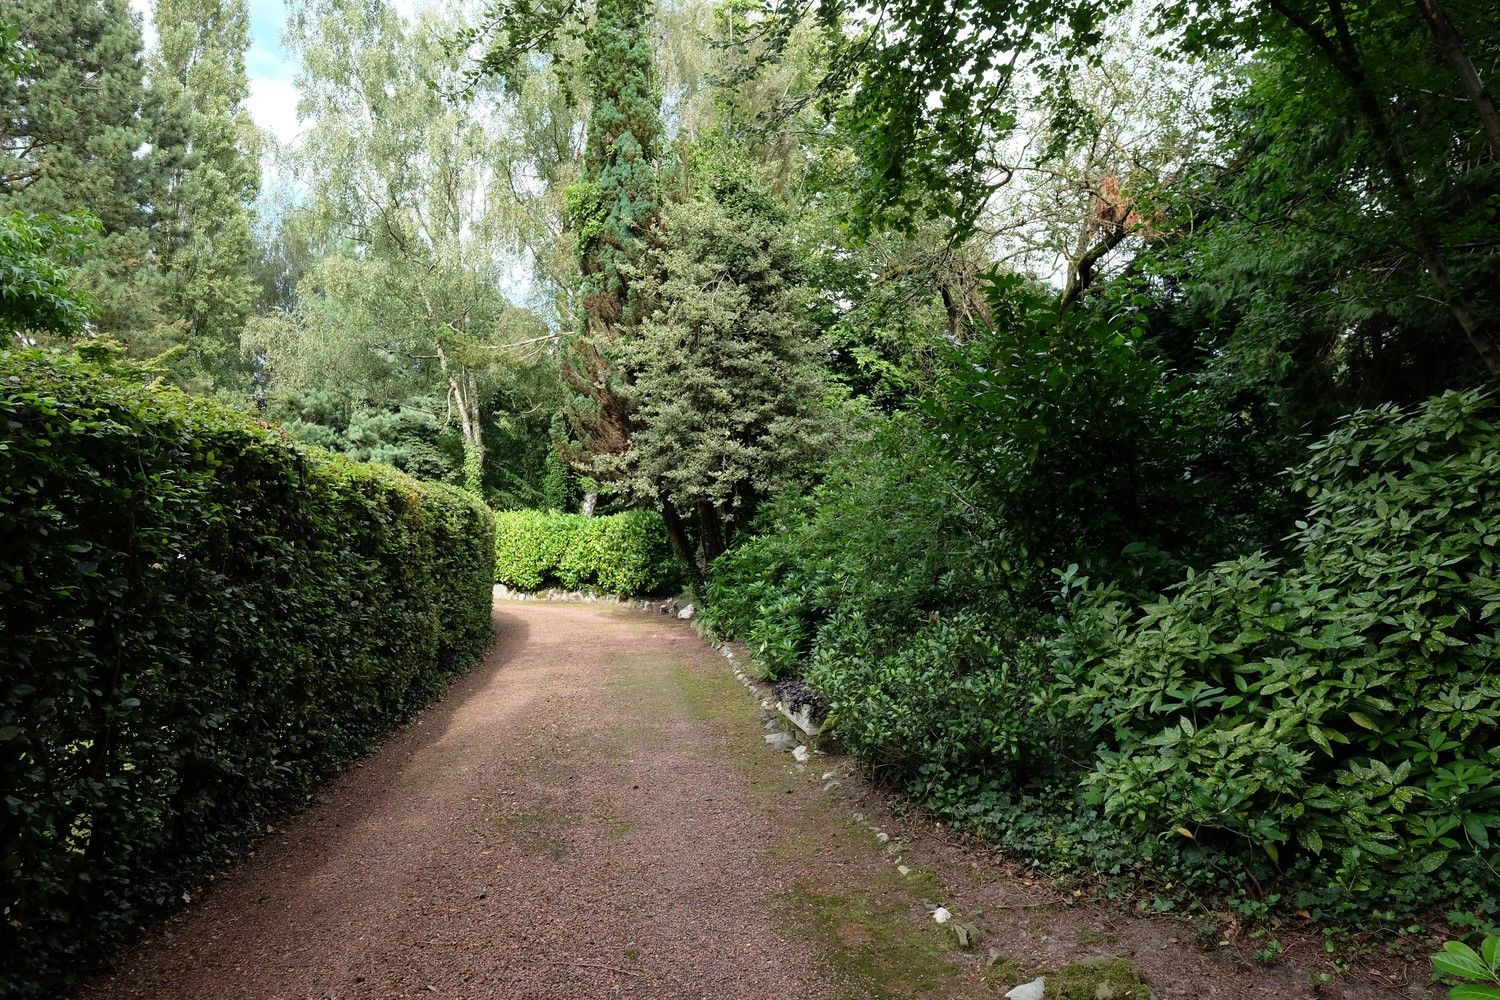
(1469, 991)
(1459, 960)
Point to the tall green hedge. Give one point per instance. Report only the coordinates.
(199, 623)
(623, 554)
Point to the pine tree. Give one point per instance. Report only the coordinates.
(726, 386)
(209, 253)
(84, 133)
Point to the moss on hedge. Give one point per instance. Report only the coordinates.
(199, 623)
(624, 554)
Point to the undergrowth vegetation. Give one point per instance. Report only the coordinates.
(138, 747)
(626, 553)
(1146, 677)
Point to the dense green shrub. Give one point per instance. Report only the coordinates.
(1342, 704)
(908, 608)
(1336, 709)
(199, 622)
(626, 553)
(1086, 446)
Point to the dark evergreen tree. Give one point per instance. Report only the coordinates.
(612, 209)
(84, 133)
(208, 251)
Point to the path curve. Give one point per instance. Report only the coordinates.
(592, 812)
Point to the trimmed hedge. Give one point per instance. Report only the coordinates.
(200, 622)
(622, 554)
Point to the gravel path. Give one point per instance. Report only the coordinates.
(592, 813)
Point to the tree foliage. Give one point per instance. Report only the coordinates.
(409, 302)
(36, 277)
(83, 132)
(728, 402)
(198, 68)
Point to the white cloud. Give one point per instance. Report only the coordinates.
(273, 106)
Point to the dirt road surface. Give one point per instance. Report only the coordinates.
(593, 812)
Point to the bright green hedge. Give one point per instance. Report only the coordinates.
(620, 554)
(199, 623)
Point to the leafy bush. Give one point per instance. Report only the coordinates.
(529, 545)
(626, 553)
(1336, 708)
(948, 707)
(1343, 704)
(906, 606)
(1083, 442)
(199, 622)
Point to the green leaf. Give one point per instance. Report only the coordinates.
(1471, 992)
(1459, 960)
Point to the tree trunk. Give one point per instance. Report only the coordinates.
(710, 533)
(1452, 47)
(677, 535)
(463, 397)
(590, 501)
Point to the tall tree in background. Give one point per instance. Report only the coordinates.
(1395, 132)
(727, 389)
(199, 69)
(401, 184)
(1362, 189)
(612, 208)
(83, 133)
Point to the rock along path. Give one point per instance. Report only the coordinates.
(592, 812)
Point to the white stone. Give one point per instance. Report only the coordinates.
(802, 718)
(800, 753)
(1029, 991)
(941, 915)
(882, 836)
(686, 613)
(903, 869)
(780, 741)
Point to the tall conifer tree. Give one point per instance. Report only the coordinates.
(612, 209)
(82, 132)
(208, 252)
